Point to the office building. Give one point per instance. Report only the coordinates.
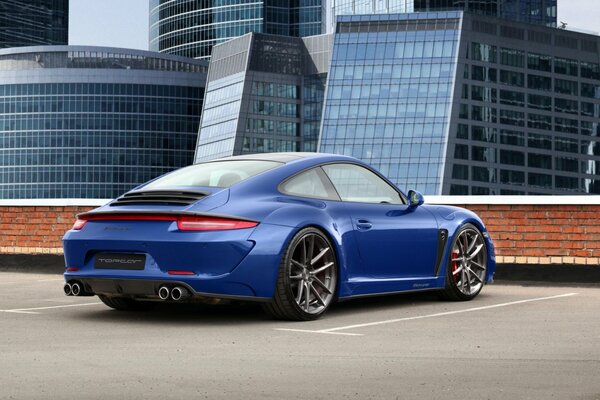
(34, 22)
(264, 94)
(443, 102)
(540, 12)
(191, 28)
(93, 122)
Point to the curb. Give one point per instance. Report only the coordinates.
(33, 263)
(547, 273)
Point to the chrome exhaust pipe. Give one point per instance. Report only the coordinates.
(75, 289)
(179, 293)
(163, 292)
(68, 289)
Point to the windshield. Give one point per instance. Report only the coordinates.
(216, 174)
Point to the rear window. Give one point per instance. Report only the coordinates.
(216, 174)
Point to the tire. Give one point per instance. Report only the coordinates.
(126, 304)
(307, 280)
(466, 270)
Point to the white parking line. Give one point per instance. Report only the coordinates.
(442, 314)
(33, 310)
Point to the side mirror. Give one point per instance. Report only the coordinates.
(415, 198)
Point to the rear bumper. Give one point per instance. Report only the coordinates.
(240, 264)
(145, 288)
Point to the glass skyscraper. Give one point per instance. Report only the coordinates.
(389, 94)
(191, 28)
(93, 122)
(540, 12)
(33, 22)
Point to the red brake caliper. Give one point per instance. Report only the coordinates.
(455, 254)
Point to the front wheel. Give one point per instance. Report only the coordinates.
(307, 278)
(467, 266)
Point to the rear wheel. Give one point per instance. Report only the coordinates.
(126, 304)
(307, 278)
(467, 266)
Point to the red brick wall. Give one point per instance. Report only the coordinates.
(522, 233)
(543, 234)
(35, 229)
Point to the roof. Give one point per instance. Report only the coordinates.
(280, 157)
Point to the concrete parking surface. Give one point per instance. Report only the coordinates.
(512, 342)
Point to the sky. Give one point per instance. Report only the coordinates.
(124, 23)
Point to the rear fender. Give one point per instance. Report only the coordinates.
(337, 231)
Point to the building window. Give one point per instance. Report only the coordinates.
(485, 114)
(539, 102)
(539, 180)
(459, 190)
(461, 152)
(565, 182)
(460, 172)
(537, 121)
(483, 154)
(509, 117)
(483, 52)
(510, 157)
(509, 177)
(481, 93)
(538, 141)
(566, 106)
(539, 62)
(538, 82)
(566, 125)
(589, 109)
(512, 98)
(512, 78)
(566, 145)
(512, 58)
(590, 70)
(566, 67)
(483, 74)
(483, 134)
(512, 138)
(589, 90)
(539, 161)
(567, 164)
(462, 131)
(564, 86)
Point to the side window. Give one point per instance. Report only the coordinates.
(307, 184)
(356, 183)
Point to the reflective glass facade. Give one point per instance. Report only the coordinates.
(191, 28)
(389, 94)
(89, 122)
(540, 12)
(444, 102)
(33, 22)
(363, 7)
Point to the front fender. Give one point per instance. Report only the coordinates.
(452, 219)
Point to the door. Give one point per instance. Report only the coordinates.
(394, 239)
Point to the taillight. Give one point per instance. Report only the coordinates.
(191, 223)
(184, 222)
(79, 224)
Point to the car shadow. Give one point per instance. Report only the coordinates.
(242, 313)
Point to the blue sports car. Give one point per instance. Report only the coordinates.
(296, 231)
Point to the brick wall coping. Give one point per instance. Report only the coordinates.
(514, 200)
(460, 200)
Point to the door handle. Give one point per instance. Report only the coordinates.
(363, 225)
